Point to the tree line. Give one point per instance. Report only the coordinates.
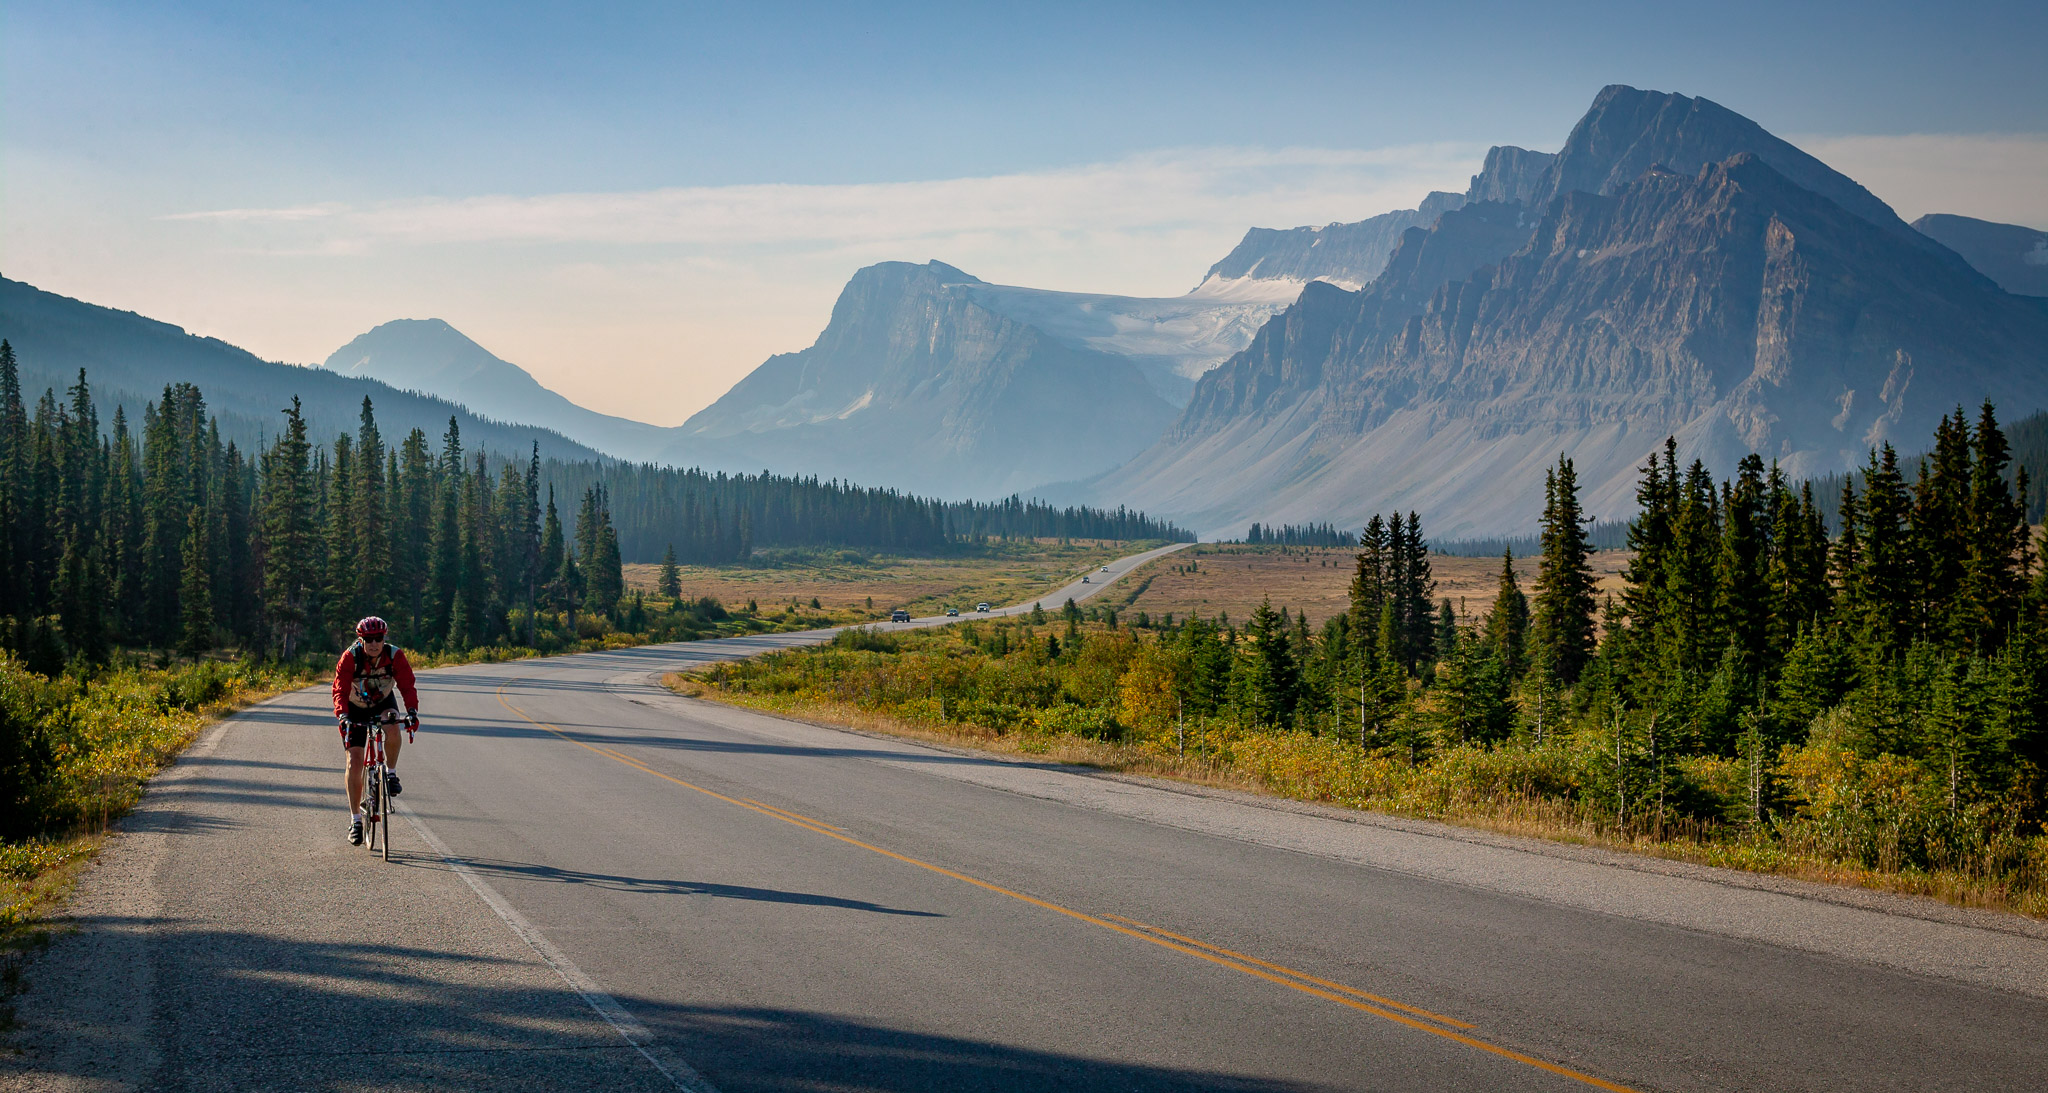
(1877, 696)
(160, 534)
(1308, 535)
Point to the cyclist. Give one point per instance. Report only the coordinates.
(368, 681)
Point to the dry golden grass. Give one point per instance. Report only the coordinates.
(1317, 580)
(844, 582)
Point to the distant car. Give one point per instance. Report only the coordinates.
(983, 606)
(899, 615)
(1084, 580)
(952, 612)
(1105, 569)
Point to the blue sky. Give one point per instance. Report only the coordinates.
(120, 121)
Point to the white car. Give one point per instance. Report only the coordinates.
(981, 607)
(1105, 569)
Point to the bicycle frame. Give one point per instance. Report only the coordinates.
(376, 792)
(376, 775)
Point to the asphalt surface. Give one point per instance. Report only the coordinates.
(602, 885)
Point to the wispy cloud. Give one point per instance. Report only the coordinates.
(1157, 191)
(270, 216)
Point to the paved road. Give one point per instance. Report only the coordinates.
(603, 885)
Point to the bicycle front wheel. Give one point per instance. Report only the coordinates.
(384, 809)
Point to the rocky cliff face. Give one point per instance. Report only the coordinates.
(1510, 174)
(2014, 256)
(917, 383)
(1726, 305)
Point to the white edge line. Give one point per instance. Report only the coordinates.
(625, 1024)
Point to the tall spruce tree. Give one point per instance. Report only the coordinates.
(1507, 625)
(290, 546)
(195, 588)
(1995, 532)
(670, 582)
(1563, 622)
(369, 529)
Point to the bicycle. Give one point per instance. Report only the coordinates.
(376, 783)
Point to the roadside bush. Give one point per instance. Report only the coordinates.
(867, 640)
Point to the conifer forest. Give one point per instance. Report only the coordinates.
(1875, 698)
(155, 534)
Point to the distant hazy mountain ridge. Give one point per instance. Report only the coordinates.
(919, 382)
(2014, 256)
(429, 356)
(129, 359)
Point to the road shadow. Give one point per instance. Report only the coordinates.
(237, 1010)
(493, 868)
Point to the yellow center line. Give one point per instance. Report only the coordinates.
(1285, 970)
(1189, 948)
(787, 814)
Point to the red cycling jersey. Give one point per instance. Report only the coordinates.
(370, 689)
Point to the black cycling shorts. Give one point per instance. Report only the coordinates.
(360, 717)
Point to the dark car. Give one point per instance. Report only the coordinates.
(899, 615)
(952, 612)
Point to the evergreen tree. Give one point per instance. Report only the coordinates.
(1742, 580)
(370, 535)
(1508, 623)
(341, 509)
(551, 555)
(290, 548)
(1939, 550)
(445, 570)
(1369, 588)
(195, 591)
(670, 582)
(1995, 533)
(1272, 677)
(1881, 598)
(13, 456)
(417, 504)
(1563, 622)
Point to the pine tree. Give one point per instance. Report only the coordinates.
(1884, 602)
(290, 547)
(13, 451)
(1742, 582)
(195, 591)
(1369, 588)
(1508, 623)
(341, 509)
(445, 570)
(1273, 677)
(1938, 552)
(1417, 585)
(530, 544)
(1995, 532)
(417, 505)
(551, 554)
(670, 583)
(370, 533)
(1563, 622)
(1650, 538)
